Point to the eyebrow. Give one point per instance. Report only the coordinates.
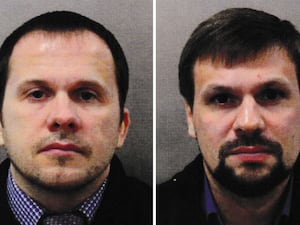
(25, 84)
(218, 88)
(272, 83)
(78, 84)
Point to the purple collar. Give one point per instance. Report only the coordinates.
(210, 205)
(212, 209)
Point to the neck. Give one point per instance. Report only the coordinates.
(58, 200)
(236, 210)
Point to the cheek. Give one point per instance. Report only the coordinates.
(284, 122)
(17, 120)
(211, 130)
(212, 127)
(285, 128)
(103, 128)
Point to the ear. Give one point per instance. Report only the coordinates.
(189, 119)
(124, 128)
(1, 135)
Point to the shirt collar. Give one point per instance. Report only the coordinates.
(90, 205)
(287, 203)
(210, 205)
(28, 212)
(212, 209)
(285, 212)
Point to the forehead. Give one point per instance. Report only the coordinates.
(43, 43)
(271, 64)
(43, 55)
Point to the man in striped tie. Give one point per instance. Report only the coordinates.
(64, 80)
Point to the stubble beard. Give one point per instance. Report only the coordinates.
(38, 178)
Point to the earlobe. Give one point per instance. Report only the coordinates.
(124, 128)
(189, 119)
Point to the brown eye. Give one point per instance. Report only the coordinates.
(87, 95)
(37, 94)
(223, 99)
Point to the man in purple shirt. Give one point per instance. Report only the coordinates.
(64, 80)
(239, 76)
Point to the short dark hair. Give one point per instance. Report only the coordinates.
(234, 36)
(66, 21)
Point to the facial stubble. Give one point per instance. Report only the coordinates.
(91, 174)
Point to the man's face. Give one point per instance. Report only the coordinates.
(61, 115)
(246, 119)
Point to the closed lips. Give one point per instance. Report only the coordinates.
(61, 147)
(251, 150)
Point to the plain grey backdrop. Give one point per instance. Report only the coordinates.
(131, 22)
(176, 19)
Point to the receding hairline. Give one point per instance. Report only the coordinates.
(101, 50)
(60, 33)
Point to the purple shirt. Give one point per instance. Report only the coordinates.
(212, 211)
(28, 212)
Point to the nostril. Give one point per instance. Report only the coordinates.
(71, 126)
(56, 125)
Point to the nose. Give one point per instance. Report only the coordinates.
(249, 119)
(63, 115)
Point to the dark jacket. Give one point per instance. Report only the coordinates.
(126, 201)
(180, 200)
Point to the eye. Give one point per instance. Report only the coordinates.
(37, 95)
(271, 96)
(86, 95)
(223, 99)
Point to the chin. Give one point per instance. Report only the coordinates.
(250, 181)
(63, 182)
(58, 178)
(253, 173)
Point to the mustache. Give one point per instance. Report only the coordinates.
(63, 137)
(274, 147)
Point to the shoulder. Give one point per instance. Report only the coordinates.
(138, 200)
(136, 186)
(136, 193)
(126, 200)
(8, 217)
(190, 177)
(295, 204)
(129, 184)
(179, 200)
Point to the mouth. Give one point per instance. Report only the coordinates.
(251, 154)
(61, 149)
(250, 149)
